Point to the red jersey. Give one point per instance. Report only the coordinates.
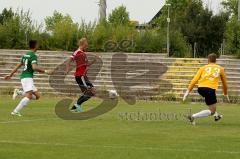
(81, 62)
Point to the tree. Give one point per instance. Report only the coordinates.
(232, 36)
(202, 27)
(197, 24)
(6, 15)
(232, 32)
(231, 6)
(65, 35)
(53, 20)
(16, 29)
(63, 30)
(119, 16)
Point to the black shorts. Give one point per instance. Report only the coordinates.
(83, 83)
(209, 95)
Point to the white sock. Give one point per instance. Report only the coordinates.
(21, 104)
(201, 114)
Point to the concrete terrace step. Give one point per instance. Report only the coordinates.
(118, 72)
(108, 75)
(105, 73)
(130, 62)
(137, 72)
(174, 82)
(175, 92)
(172, 79)
(170, 65)
(136, 84)
(120, 67)
(143, 78)
(48, 53)
(134, 56)
(60, 54)
(68, 54)
(129, 58)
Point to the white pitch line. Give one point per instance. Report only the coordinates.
(22, 121)
(119, 147)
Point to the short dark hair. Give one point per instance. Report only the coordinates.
(33, 44)
(212, 58)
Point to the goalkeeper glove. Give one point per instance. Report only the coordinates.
(185, 95)
(227, 98)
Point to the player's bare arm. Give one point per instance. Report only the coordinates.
(224, 84)
(8, 77)
(192, 84)
(68, 63)
(40, 70)
(94, 60)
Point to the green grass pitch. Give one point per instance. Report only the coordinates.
(40, 134)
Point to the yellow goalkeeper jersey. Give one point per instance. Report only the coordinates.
(209, 76)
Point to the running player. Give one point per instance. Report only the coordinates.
(208, 77)
(82, 63)
(29, 61)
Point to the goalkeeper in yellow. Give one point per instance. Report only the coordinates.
(208, 78)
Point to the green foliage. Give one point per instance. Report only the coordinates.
(206, 30)
(149, 41)
(52, 21)
(16, 30)
(232, 32)
(119, 16)
(196, 24)
(6, 15)
(232, 36)
(87, 30)
(101, 34)
(65, 36)
(231, 6)
(179, 46)
(190, 23)
(64, 31)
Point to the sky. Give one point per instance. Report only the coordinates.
(87, 10)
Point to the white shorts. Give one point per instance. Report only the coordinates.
(28, 85)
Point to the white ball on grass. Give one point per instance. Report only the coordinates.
(112, 94)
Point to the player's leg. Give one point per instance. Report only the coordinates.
(83, 89)
(88, 91)
(210, 100)
(22, 103)
(20, 92)
(214, 112)
(87, 94)
(28, 88)
(205, 113)
(210, 112)
(16, 93)
(36, 95)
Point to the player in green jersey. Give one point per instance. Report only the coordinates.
(29, 61)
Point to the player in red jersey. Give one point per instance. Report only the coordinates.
(82, 63)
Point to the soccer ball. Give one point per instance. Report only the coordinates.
(112, 94)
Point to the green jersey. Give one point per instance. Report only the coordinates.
(27, 60)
